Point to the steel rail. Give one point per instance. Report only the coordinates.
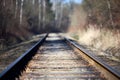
(105, 69)
(16, 68)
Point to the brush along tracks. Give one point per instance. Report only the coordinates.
(55, 60)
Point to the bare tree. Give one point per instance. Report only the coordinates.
(21, 11)
(16, 7)
(4, 2)
(43, 14)
(110, 13)
(33, 2)
(39, 13)
(58, 9)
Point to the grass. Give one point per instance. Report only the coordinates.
(102, 40)
(75, 36)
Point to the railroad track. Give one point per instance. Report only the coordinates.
(56, 60)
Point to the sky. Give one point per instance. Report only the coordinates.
(76, 1)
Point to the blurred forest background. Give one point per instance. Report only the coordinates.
(94, 23)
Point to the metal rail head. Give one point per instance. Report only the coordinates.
(16, 68)
(108, 72)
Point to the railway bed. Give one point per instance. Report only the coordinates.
(54, 59)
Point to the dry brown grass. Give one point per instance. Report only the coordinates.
(102, 40)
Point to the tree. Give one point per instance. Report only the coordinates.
(21, 18)
(102, 12)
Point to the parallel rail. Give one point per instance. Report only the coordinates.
(14, 69)
(105, 69)
(18, 66)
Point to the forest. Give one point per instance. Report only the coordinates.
(20, 19)
(94, 23)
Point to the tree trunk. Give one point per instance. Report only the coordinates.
(39, 14)
(110, 13)
(2, 44)
(21, 11)
(60, 16)
(42, 6)
(44, 14)
(4, 3)
(33, 2)
(16, 8)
